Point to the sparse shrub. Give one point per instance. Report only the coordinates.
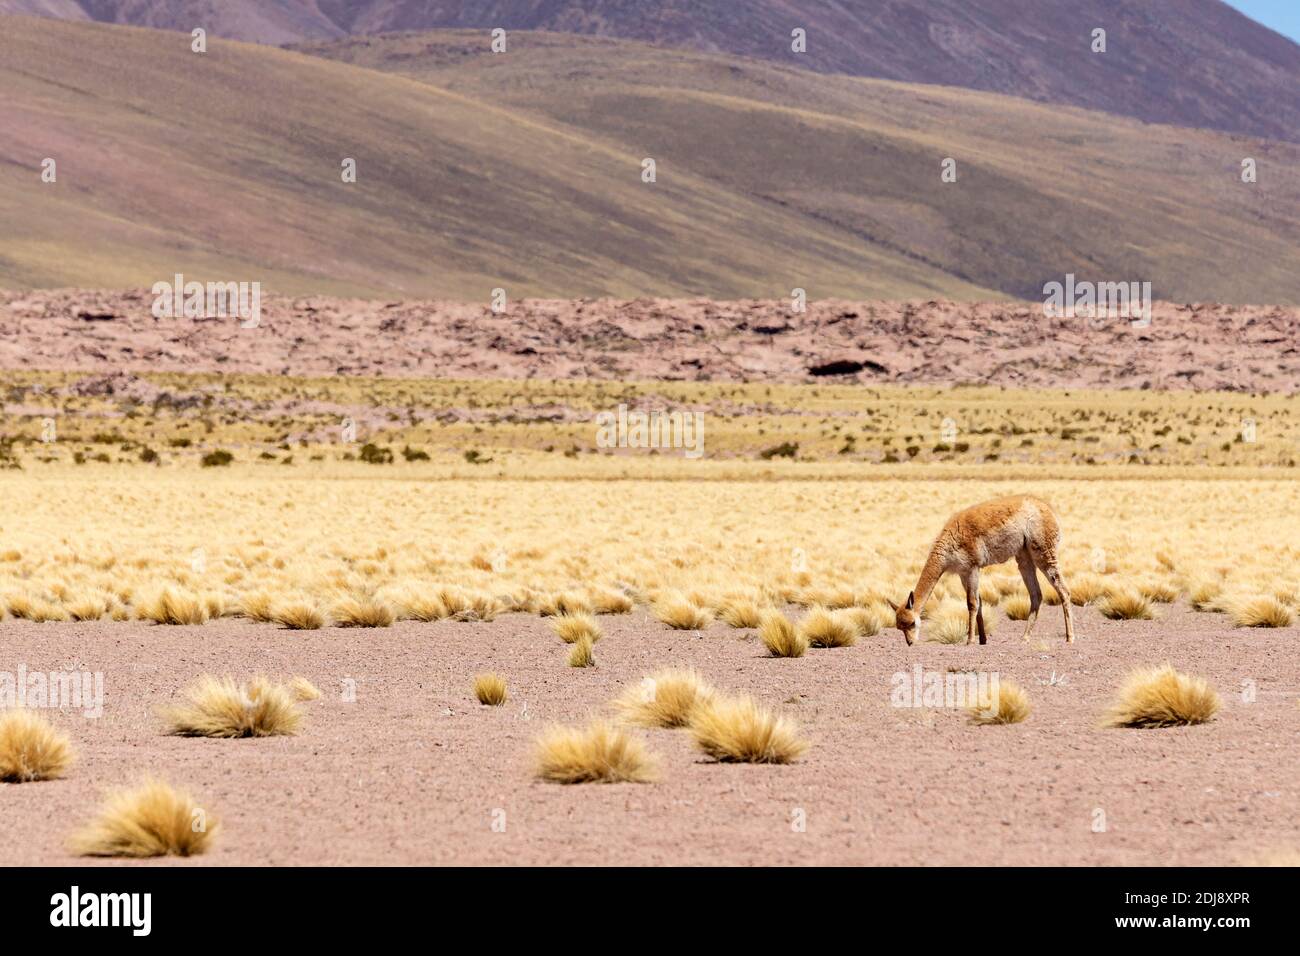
(1162, 697)
(1006, 704)
(738, 729)
(784, 450)
(373, 454)
(667, 699)
(414, 454)
(218, 458)
(220, 707)
(150, 820)
(31, 748)
(490, 689)
(599, 753)
(780, 636)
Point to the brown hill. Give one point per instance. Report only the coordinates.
(1183, 62)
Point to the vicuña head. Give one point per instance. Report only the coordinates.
(906, 620)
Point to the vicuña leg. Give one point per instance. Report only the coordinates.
(979, 620)
(1026, 564)
(1057, 581)
(971, 581)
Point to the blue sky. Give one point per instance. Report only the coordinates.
(1280, 15)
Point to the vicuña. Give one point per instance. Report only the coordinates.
(989, 533)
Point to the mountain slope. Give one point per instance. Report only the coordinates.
(1041, 192)
(227, 166)
(1195, 63)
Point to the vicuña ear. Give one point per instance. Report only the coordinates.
(892, 605)
(911, 599)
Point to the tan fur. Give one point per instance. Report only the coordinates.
(1021, 527)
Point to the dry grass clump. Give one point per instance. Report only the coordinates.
(1017, 607)
(602, 752)
(682, 615)
(31, 748)
(299, 616)
(740, 612)
(572, 628)
(864, 620)
(1157, 591)
(1123, 604)
(220, 707)
(490, 689)
(150, 820)
(564, 603)
(258, 606)
(170, 607)
(608, 601)
(824, 628)
(948, 626)
(1260, 612)
(303, 689)
(1004, 703)
(738, 729)
(780, 636)
(666, 699)
(1204, 595)
(363, 612)
(581, 653)
(462, 605)
(1162, 697)
(87, 608)
(419, 606)
(1085, 589)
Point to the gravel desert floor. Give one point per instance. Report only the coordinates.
(413, 770)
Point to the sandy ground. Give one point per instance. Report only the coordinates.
(1201, 346)
(414, 771)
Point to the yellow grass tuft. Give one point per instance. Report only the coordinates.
(150, 820)
(31, 748)
(1162, 697)
(87, 608)
(1085, 589)
(572, 628)
(1122, 604)
(303, 689)
(1016, 607)
(1159, 592)
(580, 653)
(299, 616)
(565, 602)
(599, 753)
(1260, 612)
(864, 620)
(666, 699)
(259, 607)
(490, 689)
(740, 612)
(824, 628)
(738, 729)
(682, 615)
(363, 612)
(219, 707)
(1204, 595)
(608, 601)
(170, 607)
(780, 636)
(1007, 704)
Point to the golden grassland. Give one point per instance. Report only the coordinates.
(516, 509)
